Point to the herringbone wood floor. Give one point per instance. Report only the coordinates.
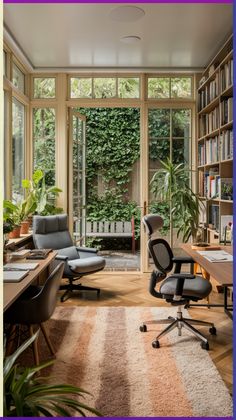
(127, 289)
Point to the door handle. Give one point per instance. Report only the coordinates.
(144, 208)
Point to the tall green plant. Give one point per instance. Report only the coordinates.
(39, 197)
(26, 394)
(171, 184)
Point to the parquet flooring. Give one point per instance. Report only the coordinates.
(131, 289)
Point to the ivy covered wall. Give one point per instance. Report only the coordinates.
(113, 143)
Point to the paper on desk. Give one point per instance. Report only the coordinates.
(216, 256)
(20, 266)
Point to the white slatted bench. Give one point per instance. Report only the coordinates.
(106, 229)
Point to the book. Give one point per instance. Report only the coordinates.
(20, 266)
(20, 254)
(38, 254)
(14, 276)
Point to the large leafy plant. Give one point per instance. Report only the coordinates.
(28, 394)
(14, 214)
(39, 197)
(170, 184)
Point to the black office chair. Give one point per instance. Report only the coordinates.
(35, 306)
(52, 232)
(177, 289)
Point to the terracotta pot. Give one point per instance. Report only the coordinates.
(15, 233)
(24, 229)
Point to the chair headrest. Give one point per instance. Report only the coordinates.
(49, 224)
(152, 223)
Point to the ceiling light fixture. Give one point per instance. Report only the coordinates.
(127, 13)
(131, 39)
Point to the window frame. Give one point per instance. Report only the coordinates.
(171, 76)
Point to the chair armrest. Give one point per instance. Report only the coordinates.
(182, 276)
(86, 249)
(156, 277)
(61, 257)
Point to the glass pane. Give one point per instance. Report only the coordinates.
(128, 87)
(180, 151)
(80, 87)
(18, 149)
(44, 87)
(18, 78)
(105, 87)
(158, 87)
(78, 149)
(44, 142)
(181, 87)
(181, 120)
(159, 123)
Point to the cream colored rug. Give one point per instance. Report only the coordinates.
(103, 351)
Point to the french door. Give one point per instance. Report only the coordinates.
(76, 176)
(168, 136)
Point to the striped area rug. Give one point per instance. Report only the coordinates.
(102, 350)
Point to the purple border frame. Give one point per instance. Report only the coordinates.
(120, 1)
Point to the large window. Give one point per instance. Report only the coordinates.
(169, 138)
(18, 78)
(18, 148)
(105, 87)
(44, 87)
(169, 87)
(44, 142)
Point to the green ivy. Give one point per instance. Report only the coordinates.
(112, 138)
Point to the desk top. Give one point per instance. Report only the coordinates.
(12, 291)
(222, 271)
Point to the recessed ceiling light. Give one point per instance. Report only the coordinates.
(127, 13)
(132, 39)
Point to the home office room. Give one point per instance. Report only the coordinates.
(118, 210)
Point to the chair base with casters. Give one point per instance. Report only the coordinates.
(180, 322)
(70, 287)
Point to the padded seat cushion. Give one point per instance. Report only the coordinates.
(87, 265)
(197, 288)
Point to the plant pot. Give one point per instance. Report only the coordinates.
(24, 229)
(15, 233)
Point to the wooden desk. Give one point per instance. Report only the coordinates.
(221, 272)
(12, 291)
(23, 241)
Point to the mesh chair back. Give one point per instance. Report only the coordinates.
(162, 254)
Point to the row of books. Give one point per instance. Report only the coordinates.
(226, 75)
(209, 93)
(226, 145)
(209, 122)
(209, 151)
(211, 185)
(226, 111)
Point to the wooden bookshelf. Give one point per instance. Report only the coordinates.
(215, 143)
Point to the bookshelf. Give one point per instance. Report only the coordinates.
(215, 144)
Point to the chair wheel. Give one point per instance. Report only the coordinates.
(205, 346)
(156, 344)
(212, 331)
(143, 328)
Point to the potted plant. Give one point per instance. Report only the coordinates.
(170, 184)
(26, 394)
(40, 198)
(14, 214)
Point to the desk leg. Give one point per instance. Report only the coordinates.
(206, 276)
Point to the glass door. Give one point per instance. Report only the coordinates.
(77, 174)
(169, 140)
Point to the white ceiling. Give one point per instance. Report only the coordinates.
(84, 35)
